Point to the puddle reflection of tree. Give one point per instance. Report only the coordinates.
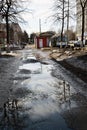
(10, 118)
(63, 93)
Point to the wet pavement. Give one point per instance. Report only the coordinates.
(39, 94)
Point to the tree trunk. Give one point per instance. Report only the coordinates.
(62, 30)
(7, 31)
(68, 24)
(62, 22)
(83, 23)
(0, 50)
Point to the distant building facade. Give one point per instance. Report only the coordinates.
(79, 20)
(2, 33)
(15, 33)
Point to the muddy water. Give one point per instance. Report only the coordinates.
(43, 97)
(43, 92)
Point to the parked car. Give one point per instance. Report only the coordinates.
(23, 44)
(61, 44)
(14, 46)
(79, 43)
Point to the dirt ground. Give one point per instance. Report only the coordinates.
(73, 60)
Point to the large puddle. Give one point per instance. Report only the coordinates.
(41, 97)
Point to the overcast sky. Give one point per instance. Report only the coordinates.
(41, 9)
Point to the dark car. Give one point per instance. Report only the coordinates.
(23, 44)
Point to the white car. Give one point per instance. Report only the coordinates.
(79, 43)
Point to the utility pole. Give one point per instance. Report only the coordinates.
(68, 24)
(40, 25)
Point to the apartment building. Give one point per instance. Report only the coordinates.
(2, 33)
(14, 33)
(16, 29)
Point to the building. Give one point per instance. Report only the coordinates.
(2, 34)
(79, 20)
(43, 40)
(15, 33)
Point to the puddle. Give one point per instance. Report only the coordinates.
(42, 105)
(22, 92)
(41, 97)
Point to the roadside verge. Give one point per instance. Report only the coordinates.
(76, 64)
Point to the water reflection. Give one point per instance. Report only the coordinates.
(40, 99)
(21, 120)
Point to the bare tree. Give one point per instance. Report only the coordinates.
(83, 5)
(59, 13)
(10, 11)
(1, 5)
(25, 37)
(62, 10)
(68, 9)
(71, 34)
